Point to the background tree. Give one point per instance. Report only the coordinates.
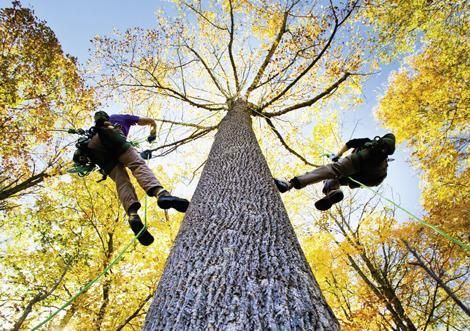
(64, 241)
(426, 103)
(40, 90)
(374, 281)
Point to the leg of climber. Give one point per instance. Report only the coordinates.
(332, 194)
(342, 168)
(150, 183)
(131, 204)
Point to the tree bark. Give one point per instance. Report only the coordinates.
(236, 263)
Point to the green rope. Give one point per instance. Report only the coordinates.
(429, 225)
(117, 259)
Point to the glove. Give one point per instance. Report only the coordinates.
(151, 138)
(335, 158)
(146, 155)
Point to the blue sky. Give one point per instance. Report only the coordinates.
(77, 22)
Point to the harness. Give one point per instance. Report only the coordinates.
(84, 159)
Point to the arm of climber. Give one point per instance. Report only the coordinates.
(353, 143)
(151, 122)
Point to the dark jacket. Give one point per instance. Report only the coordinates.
(370, 157)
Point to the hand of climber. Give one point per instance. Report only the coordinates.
(151, 138)
(335, 158)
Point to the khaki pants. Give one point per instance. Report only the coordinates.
(132, 160)
(331, 173)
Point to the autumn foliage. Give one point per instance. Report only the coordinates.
(377, 270)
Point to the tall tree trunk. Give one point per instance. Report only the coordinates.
(236, 263)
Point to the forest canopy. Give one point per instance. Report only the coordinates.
(297, 68)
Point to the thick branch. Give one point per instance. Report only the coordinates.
(30, 182)
(230, 48)
(270, 54)
(314, 61)
(310, 102)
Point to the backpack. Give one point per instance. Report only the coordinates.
(373, 161)
(87, 159)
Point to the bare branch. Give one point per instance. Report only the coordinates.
(270, 54)
(174, 145)
(193, 125)
(135, 313)
(172, 92)
(437, 279)
(283, 142)
(310, 102)
(314, 61)
(209, 71)
(198, 12)
(230, 48)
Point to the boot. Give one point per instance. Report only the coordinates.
(329, 200)
(145, 238)
(282, 185)
(165, 201)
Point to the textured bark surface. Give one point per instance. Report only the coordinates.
(236, 263)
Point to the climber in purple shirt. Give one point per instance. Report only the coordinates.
(113, 153)
(124, 122)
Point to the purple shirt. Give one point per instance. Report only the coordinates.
(124, 122)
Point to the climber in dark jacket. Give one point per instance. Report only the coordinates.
(366, 164)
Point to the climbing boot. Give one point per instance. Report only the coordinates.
(329, 200)
(282, 185)
(167, 201)
(145, 238)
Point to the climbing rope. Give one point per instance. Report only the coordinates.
(429, 225)
(117, 259)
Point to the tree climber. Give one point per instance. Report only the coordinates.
(366, 164)
(111, 151)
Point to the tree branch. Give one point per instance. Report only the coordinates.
(230, 48)
(315, 60)
(192, 125)
(31, 181)
(135, 313)
(437, 279)
(38, 298)
(310, 102)
(270, 54)
(174, 145)
(283, 142)
(204, 17)
(209, 71)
